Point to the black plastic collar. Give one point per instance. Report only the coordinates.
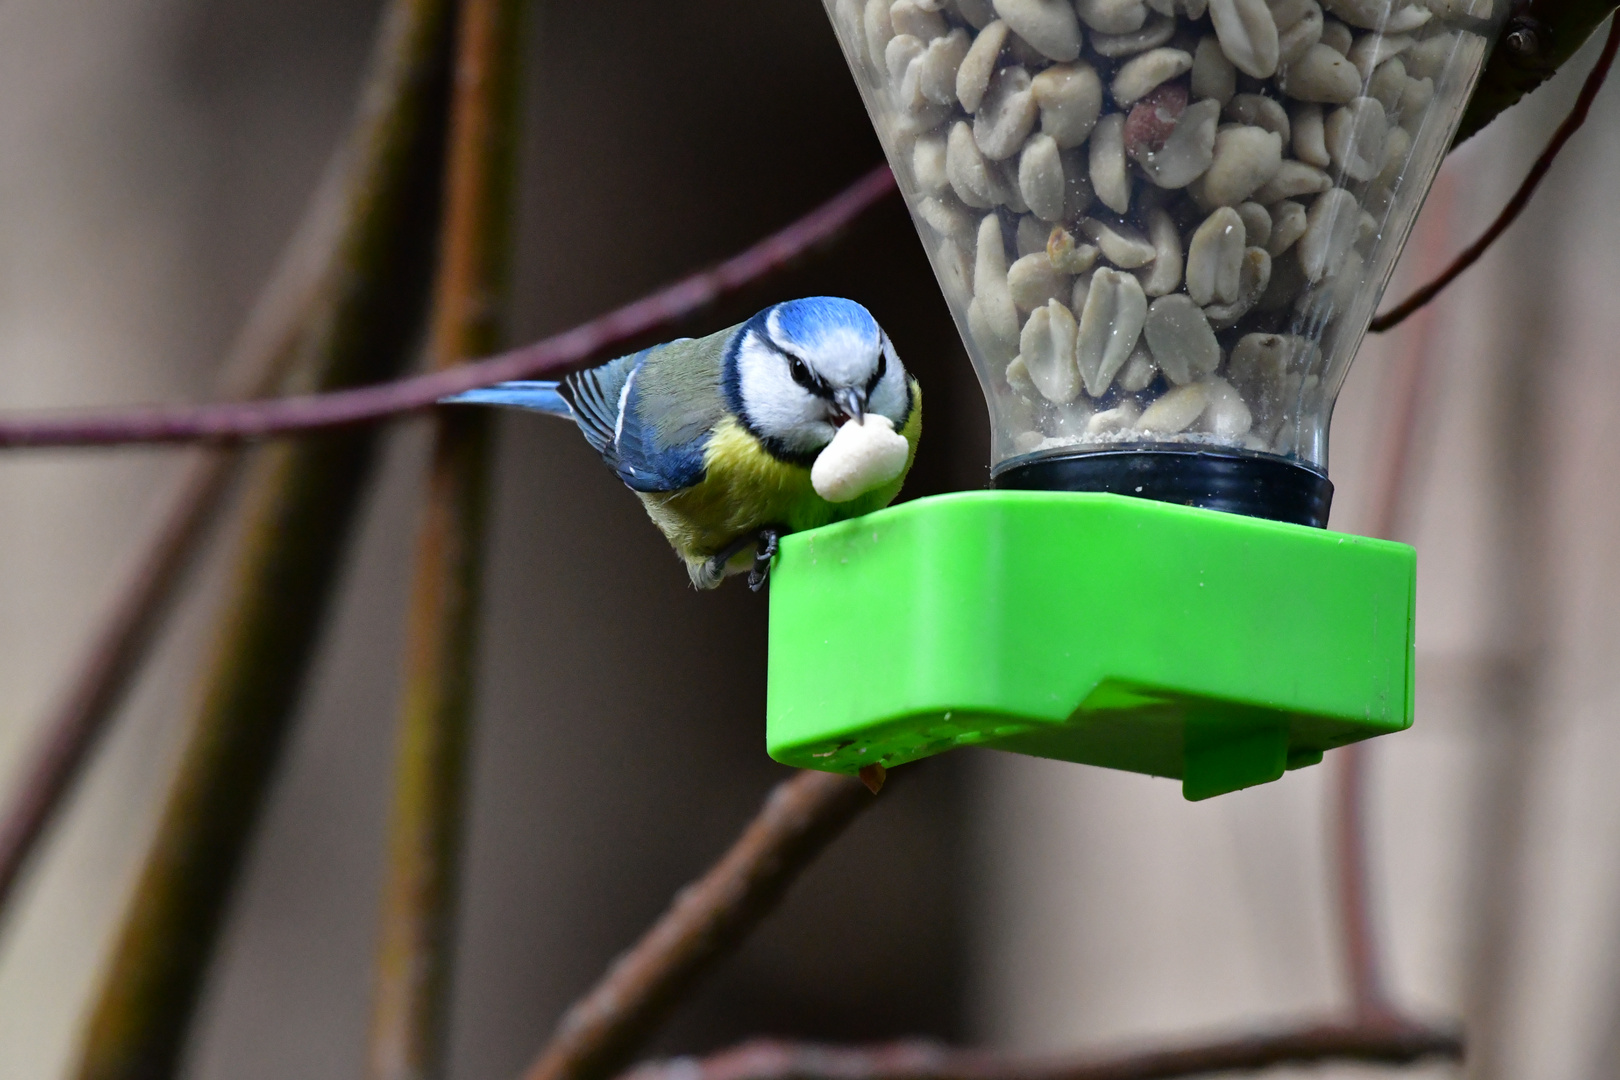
(1235, 481)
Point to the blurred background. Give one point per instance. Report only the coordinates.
(156, 155)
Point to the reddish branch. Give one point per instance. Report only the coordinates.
(554, 356)
(767, 1060)
(230, 422)
(603, 1031)
(1521, 197)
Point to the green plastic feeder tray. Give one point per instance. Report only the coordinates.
(1211, 647)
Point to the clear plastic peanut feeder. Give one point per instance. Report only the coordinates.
(1162, 227)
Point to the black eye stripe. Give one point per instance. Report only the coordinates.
(877, 375)
(800, 371)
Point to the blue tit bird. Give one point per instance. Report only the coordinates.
(717, 435)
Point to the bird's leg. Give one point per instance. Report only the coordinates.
(714, 569)
(769, 538)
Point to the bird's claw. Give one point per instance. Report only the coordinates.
(769, 540)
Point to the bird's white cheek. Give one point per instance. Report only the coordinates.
(776, 406)
(793, 418)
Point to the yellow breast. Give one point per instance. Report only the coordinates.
(744, 488)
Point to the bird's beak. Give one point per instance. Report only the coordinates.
(851, 403)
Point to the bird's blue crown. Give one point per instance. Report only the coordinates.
(810, 321)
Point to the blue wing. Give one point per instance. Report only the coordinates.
(648, 414)
(602, 398)
(597, 395)
(637, 417)
(644, 465)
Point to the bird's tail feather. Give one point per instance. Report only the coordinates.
(534, 396)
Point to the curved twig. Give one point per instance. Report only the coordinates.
(605, 1028)
(1394, 1044)
(1521, 198)
(230, 422)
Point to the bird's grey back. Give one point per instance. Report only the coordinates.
(678, 394)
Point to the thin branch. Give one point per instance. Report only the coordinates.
(1521, 198)
(411, 1003)
(770, 1060)
(1407, 388)
(302, 499)
(710, 917)
(554, 356)
(255, 366)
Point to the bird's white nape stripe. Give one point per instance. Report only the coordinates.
(624, 403)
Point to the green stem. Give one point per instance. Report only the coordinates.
(256, 367)
(414, 960)
(302, 499)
